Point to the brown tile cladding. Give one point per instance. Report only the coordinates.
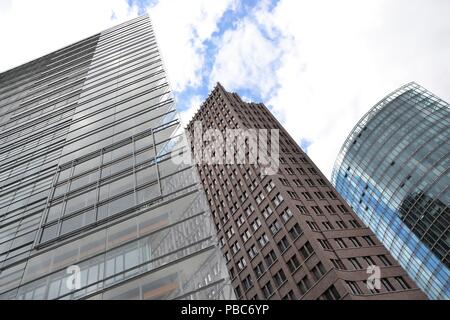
(312, 245)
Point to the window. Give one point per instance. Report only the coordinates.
(330, 294)
(384, 260)
(325, 244)
(238, 292)
(369, 261)
(332, 195)
(355, 263)
(286, 214)
(242, 264)
(353, 286)
(387, 285)
(319, 195)
(402, 283)
(292, 194)
(250, 209)
(259, 198)
(263, 240)
(290, 296)
(302, 209)
(283, 244)
(246, 235)
(318, 271)
(298, 183)
(247, 282)
(275, 227)
(338, 264)
(270, 258)
(313, 226)
(341, 224)
(230, 232)
(269, 187)
(341, 243)
(259, 269)
(293, 263)
(267, 211)
(317, 210)
(355, 242)
(256, 224)
(267, 290)
(327, 225)
(285, 182)
(342, 208)
(295, 231)
(304, 285)
(252, 252)
(369, 240)
(307, 195)
(306, 250)
(235, 247)
(240, 221)
(330, 209)
(289, 171)
(355, 224)
(277, 200)
(279, 278)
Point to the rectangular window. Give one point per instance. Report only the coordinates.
(267, 290)
(259, 269)
(402, 283)
(354, 288)
(279, 278)
(384, 260)
(275, 227)
(341, 243)
(283, 244)
(355, 263)
(286, 214)
(270, 258)
(369, 240)
(330, 294)
(318, 271)
(302, 209)
(247, 282)
(355, 242)
(304, 285)
(338, 264)
(295, 231)
(387, 285)
(306, 250)
(263, 240)
(293, 263)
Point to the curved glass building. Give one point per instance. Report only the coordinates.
(393, 169)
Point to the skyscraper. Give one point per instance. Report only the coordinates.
(287, 234)
(91, 204)
(393, 169)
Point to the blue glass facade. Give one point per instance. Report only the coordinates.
(393, 169)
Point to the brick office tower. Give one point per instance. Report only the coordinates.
(289, 235)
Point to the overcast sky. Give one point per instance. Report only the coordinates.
(318, 65)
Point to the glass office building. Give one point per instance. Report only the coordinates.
(393, 169)
(87, 182)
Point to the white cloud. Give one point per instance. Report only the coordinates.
(338, 58)
(30, 29)
(245, 58)
(181, 28)
(194, 105)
